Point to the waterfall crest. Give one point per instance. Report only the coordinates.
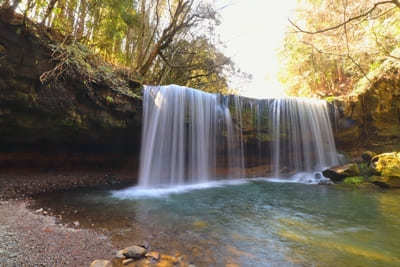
(188, 134)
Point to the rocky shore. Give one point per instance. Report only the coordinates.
(22, 184)
(382, 170)
(34, 239)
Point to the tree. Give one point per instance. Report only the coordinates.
(337, 45)
(158, 41)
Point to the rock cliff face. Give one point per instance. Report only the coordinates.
(370, 118)
(59, 98)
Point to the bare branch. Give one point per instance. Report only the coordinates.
(369, 11)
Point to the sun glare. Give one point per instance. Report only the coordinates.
(252, 31)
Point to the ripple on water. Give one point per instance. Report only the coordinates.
(250, 222)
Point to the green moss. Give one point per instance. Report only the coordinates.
(109, 99)
(388, 164)
(355, 180)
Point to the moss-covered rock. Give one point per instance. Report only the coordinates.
(339, 173)
(387, 164)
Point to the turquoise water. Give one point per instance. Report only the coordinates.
(254, 223)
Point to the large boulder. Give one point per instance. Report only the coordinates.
(387, 164)
(339, 173)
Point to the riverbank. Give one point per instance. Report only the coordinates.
(21, 184)
(29, 238)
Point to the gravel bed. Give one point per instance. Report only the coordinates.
(32, 239)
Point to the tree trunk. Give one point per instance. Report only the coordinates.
(82, 16)
(49, 9)
(71, 15)
(141, 37)
(146, 66)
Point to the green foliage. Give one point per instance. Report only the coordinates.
(155, 41)
(335, 62)
(388, 164)
(109, 99)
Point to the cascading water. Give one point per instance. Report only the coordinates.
(187, 131)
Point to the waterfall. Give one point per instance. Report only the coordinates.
(186, 133)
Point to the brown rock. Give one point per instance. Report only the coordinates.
(127, 261)
(339, 173)
(101, 263)
(133, 252)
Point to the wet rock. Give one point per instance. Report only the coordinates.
(133, 252)
(154, 255)
(145, 244)
(168, 260)
(325, 182)
(127, 261)
(101, 263)
(339, 173)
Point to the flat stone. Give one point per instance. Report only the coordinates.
(339, 173)
(133, 252)
(127, 261)
(101, 263)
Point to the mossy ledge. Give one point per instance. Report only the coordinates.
(56, 96)
(370, 117)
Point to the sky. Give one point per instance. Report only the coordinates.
(252, 31)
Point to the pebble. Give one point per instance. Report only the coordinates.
(134, 252)
(127, 261)
(101, 263)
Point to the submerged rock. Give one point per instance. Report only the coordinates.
(339, 173)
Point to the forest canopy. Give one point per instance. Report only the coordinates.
(157, 41)
(334, 45)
